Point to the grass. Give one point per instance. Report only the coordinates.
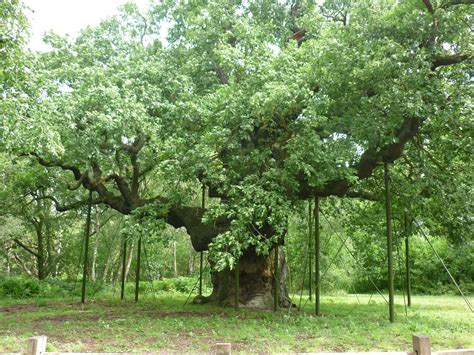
(163, 324)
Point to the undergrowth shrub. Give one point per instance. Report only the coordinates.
(19, 287)
(166, 285)
(24, 287)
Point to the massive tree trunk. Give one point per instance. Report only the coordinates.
(256, 283)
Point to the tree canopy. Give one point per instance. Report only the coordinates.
(264, 103)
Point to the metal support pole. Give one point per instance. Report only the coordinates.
(276, 281)
(317, 251)
(86, 247)
(200, 273)
(237, 284)
(124, 266)
(203, 205)
(388, 211)
(407, 261)
(310, 247)
(137, 279)
(203, 201)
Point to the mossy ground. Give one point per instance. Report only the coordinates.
(162, 323)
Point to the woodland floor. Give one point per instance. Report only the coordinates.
(163, 324)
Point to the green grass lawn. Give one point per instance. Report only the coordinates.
(164, 324)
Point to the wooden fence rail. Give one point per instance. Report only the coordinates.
(421, 346)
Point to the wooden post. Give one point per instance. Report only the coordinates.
(86, 248)
(317, 247)
(124, 266)
(407, 261)
(388, 211)
(237, 284)
(223, 348)
(137, 279)
(276, 275)
(421, 345)
(310, 247)
(36, 345)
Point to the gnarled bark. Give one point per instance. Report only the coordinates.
(256, 286)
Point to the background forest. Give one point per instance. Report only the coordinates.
(169, 255)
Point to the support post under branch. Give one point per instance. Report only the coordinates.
(86, 248)
(407, 261)
(203, 205)
(137, 280)
(237, 284)
(124, 267)
(317, 252)
(276, 281)
(310, 251)
(388, 211)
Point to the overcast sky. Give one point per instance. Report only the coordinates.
(68, 16)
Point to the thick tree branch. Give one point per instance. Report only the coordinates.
(131, 193)
(28, 249)
(222, 75)
(123, 203)
(122, 187)
(76, 185)
(22, 265)
(96, 171)
(450, 60)
(369, 160)
(298, 36)
(191, 218)
(118, 203)
(372, 156)
(71, 206)
(456, 2)
(56, 164)
(429, 6)
(137, 145)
